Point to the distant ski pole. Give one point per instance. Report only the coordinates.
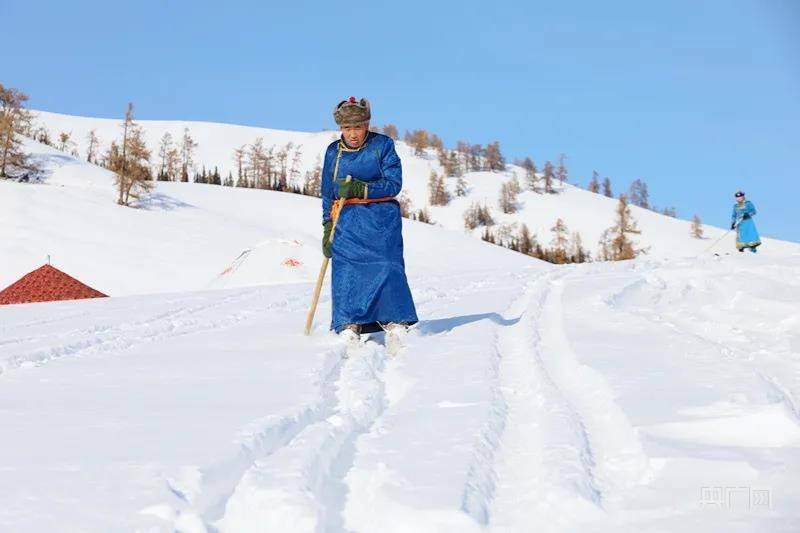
(337, 208)
(718, 240)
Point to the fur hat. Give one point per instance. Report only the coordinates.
(351, 112)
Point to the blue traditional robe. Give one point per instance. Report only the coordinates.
(368, 285)
(746, 232)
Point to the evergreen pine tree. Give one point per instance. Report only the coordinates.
(697, 227)
(423, 215)
(436, 143)
(130, 162)
(463, 156)
(560, 242)
(531, 179)
(188, 146)
(594, 184)
(495, 161)
(419, 141)
(391, 131)
(638, 194)
(562, 174)
(476, 155)
(607, 188)
(94, 145)
(313, 184)
(615, 244)
(437, 190)
(548, 177)
(405, 205)
(164, 148)
(14, 122)
(65, 143)
(526, 242)
(508, 197)
(577, 253)
(477, 215)
(43, 136)
(239, 157)
(257, 171)
(461, 186)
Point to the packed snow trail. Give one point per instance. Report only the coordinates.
(545, 463)
(171, 406)
(640, 396)
(289, 490)
(708, 422)
(440, 402)
(171, 319)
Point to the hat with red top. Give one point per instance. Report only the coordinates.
(352, 112)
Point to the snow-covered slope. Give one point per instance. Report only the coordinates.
(637, 397)
(648, 396)
(184, 237)
(586, 213)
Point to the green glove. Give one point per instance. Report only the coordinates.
(326, 239)
(352, 189)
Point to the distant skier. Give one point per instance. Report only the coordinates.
(742, 220)
(369, 287)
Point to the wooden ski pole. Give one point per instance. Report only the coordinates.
(716, 242)
(315, 298)
(337, 209)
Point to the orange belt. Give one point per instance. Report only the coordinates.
(337, 206)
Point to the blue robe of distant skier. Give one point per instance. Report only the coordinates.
(369, 284)
(746, 232)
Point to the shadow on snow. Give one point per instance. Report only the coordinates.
(445, 325)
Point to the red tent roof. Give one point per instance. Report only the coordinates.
(46, 284)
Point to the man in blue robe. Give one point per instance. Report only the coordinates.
(369, 287)
(742, 220)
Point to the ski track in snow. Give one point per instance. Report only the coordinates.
(535, 457)
(291, 488)
(543, 456)
(207, 503)
(555, 452)
(119, 337)
(40, 322)
(299, 482)
(302, 456)
(776, 387)
(306, 476)
(692, 326)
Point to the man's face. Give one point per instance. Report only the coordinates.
(354, 135)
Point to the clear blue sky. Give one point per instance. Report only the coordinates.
(698, 98)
